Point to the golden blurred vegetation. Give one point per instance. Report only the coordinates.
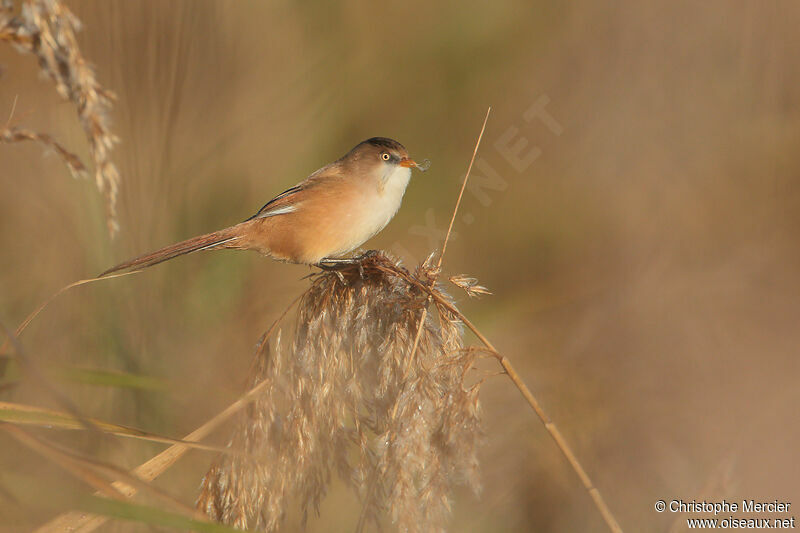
(643, 258)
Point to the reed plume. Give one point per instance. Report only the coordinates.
(357, 393)
(47, 29)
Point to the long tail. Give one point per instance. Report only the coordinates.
(195, 244)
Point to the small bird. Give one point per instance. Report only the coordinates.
(324, 217)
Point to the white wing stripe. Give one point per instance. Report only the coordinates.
(277, 211)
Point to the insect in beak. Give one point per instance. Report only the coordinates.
(410, 163)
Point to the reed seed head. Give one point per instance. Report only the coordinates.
(371, 387)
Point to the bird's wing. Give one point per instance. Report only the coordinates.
(285, 201)
(280, 205)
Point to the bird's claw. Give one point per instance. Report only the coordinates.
(336, 264)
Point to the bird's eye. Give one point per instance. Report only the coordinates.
(385, 156)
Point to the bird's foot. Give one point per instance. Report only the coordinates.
(337, 264)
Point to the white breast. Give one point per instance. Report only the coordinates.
(384, 202)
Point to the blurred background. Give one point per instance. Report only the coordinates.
(635, 210)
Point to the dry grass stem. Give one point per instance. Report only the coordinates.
(328, 408)
(95, 473)
(47, 28)
(463, 187)
(73, 162)
(30, 415)
(35, 313)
